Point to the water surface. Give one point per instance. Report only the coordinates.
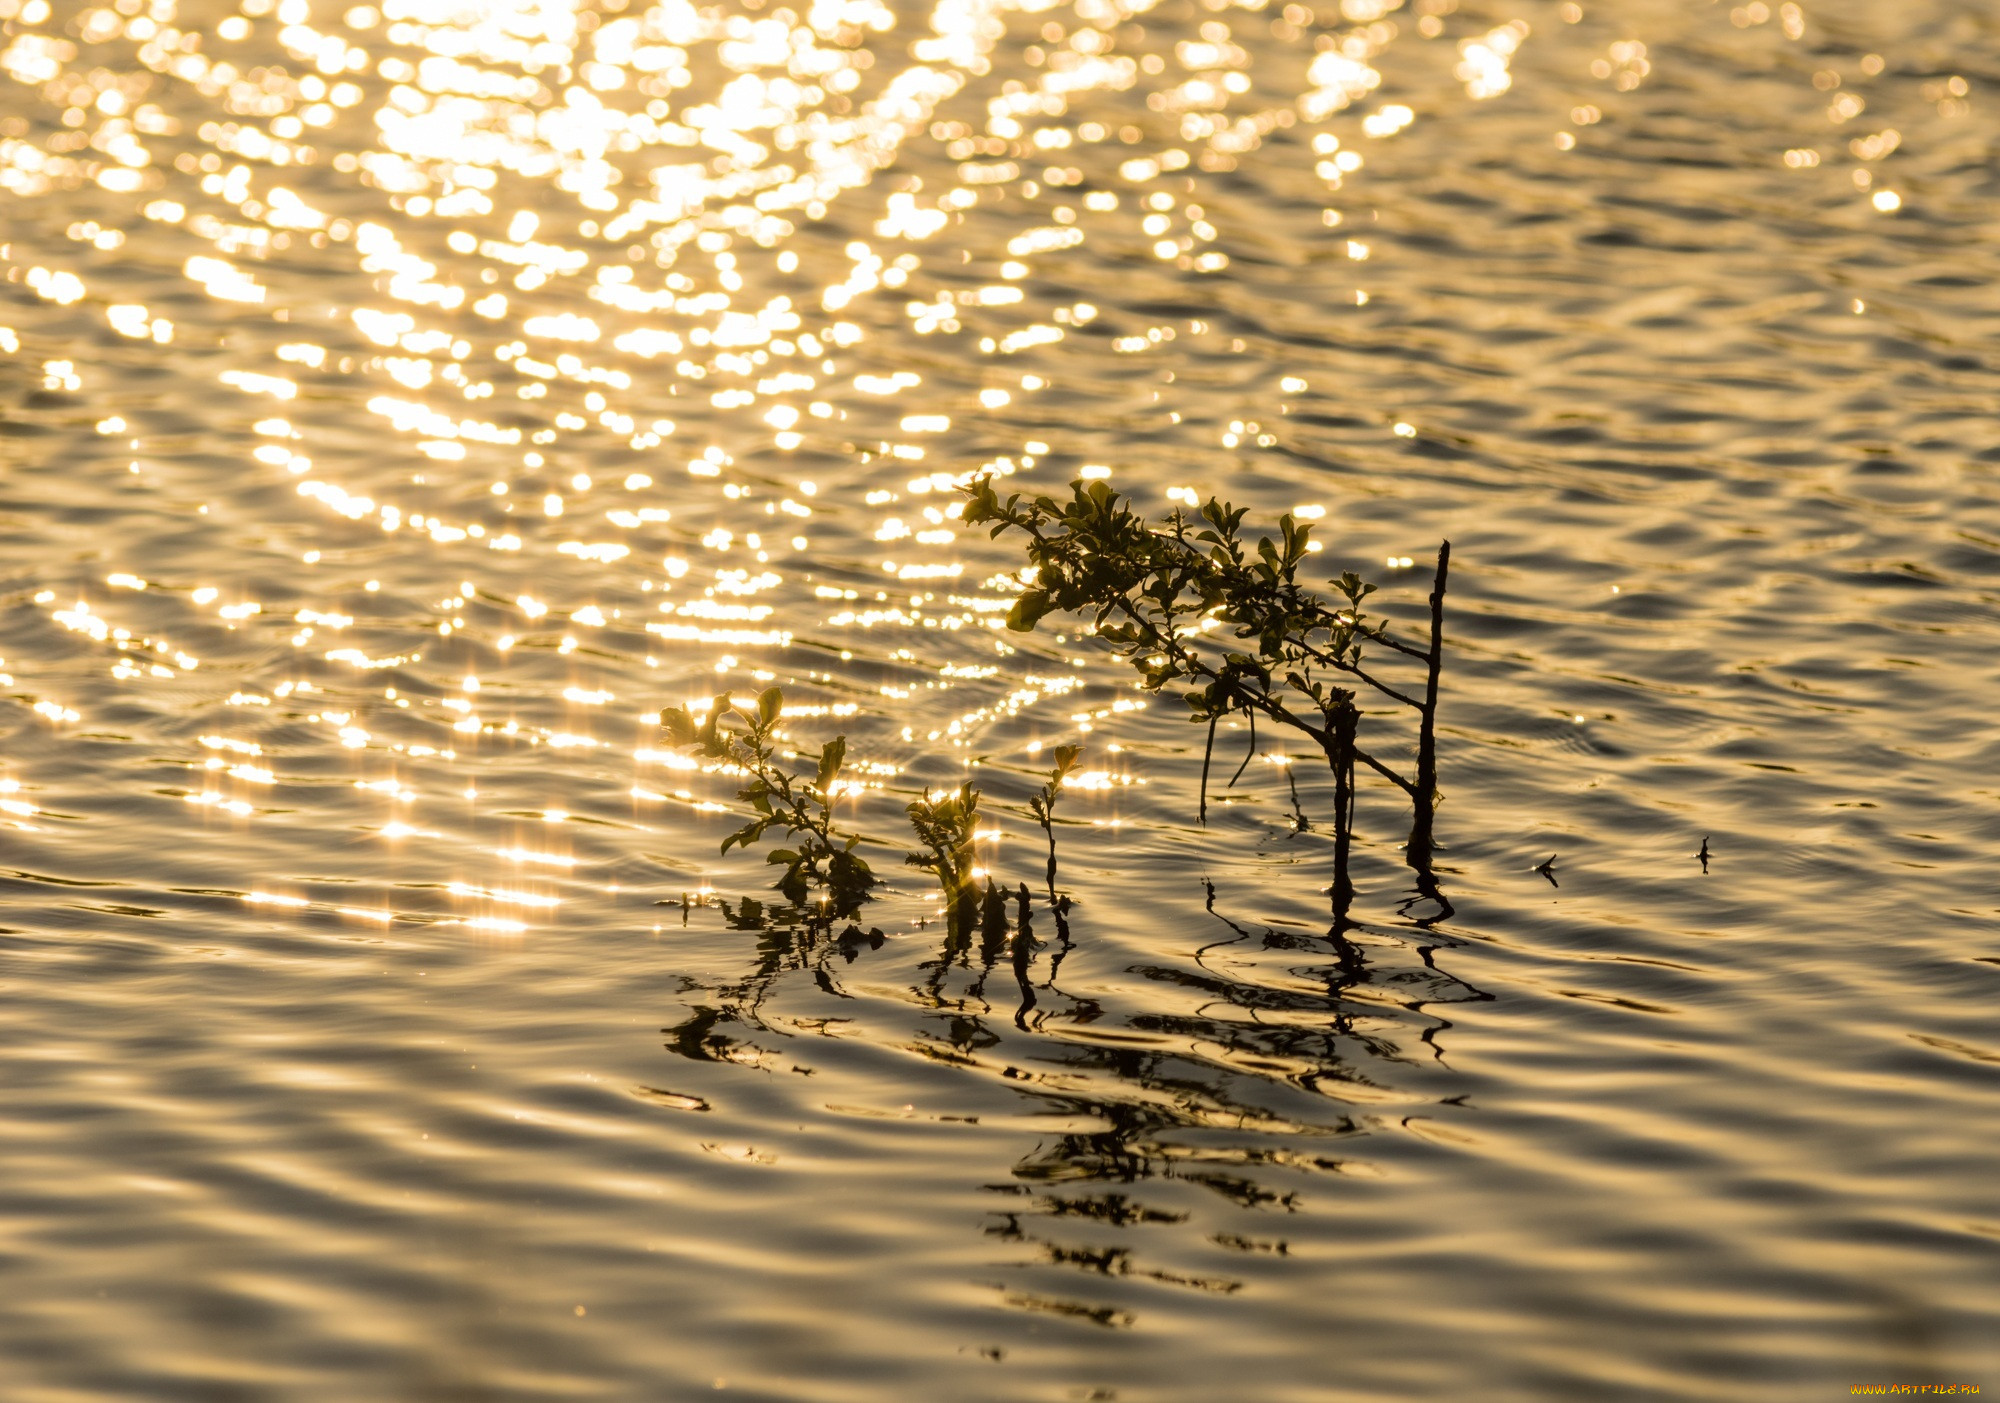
(404, 402)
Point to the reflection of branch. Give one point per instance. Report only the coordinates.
(1243, 1064)
(1439, 1024)
(788, 940)
(1063, 943)
(1209, 905)
(1024, 953)
(949, 953)
(992, 936)
(1427, 889)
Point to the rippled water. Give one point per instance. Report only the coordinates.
(402, 404)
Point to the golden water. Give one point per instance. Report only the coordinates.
(404, 401)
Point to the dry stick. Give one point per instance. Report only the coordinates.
(1424, 798)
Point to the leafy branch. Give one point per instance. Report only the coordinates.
(822, 857)
(1193, 603)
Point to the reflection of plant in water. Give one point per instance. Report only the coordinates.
(1231, 1100)
(1159, 594)
(789, 940)
(823, 857)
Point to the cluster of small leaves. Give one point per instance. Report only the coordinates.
(1157, 594)
(1189, 602)
(1042, 803)
(822, 857)
(946, 823)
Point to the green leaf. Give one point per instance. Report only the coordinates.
(680, 726)
(1029, 610)
(770, 702)
(830, 756)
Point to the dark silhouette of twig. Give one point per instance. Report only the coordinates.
(1424, 799)
(1207, 754)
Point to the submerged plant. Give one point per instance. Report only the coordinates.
(1042, 804)
(1191, 602)
(822, 856)
(946, 823)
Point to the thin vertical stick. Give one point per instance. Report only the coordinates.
(1425, 799)
(1206, 755)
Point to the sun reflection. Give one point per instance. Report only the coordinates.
(614, 283)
